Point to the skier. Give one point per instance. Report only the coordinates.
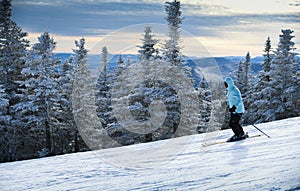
(236, 108)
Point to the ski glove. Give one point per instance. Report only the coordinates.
(232, 109)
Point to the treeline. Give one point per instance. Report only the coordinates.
(274, 93)
(49, 106)
(36, 114)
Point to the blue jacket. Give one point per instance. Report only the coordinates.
(234, 96)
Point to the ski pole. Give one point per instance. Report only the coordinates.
(260, 130)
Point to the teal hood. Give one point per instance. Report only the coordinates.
(234, 96)
(229, 82)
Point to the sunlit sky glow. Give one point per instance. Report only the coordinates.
(223, 27)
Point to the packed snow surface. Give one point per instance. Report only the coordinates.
(183, 163)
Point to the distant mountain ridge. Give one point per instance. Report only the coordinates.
(227, 64)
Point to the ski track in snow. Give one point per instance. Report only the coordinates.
(253, 164)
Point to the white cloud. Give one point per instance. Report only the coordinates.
(52, 3)
(229, 27)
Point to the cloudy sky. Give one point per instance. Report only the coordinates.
(223, 27)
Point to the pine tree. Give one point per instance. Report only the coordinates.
(104, 61)
(64, 121)
(205, 96)
(240, 75)
(12, 60)
(103, 89)
(39, 92)
(4, 121)
(267, 56)
(147, 50)
(105, 113)
(274, 96)
(13, 51)
(4, 102)
(171, 51)
(242, 78)
(283, 77)
(120, 60)
(83, 97)
(46, 91)
(257, 102)
(247, 72)
(121, 65)
(258, 98)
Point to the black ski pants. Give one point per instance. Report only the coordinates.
(234, 124)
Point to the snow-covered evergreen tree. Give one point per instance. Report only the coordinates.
(143, 99)
(39, 92)
(205, 97)
(4, 102)
(121, 65)
(46, 92)
(267, 56)
(171, 50)
(242, 78)
(83, 96)
(247, 72)
(258, 98)
(13, 46)
(128, 61)
(240, 75)
(27, 109)
(148, 50)
(64, 123)
(258, 102)
(104, 61)
(104, 55)
(4, 122)
(120, 60)
(103, 89)
(275, 95)
(13, 51)
(283, 77)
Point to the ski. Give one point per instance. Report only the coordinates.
(221, 142)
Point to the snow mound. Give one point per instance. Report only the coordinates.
(181, 164)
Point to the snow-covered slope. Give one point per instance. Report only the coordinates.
(178, 164)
